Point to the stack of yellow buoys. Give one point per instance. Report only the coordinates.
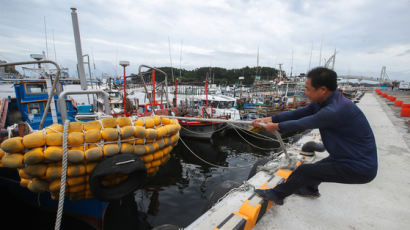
(38, 155)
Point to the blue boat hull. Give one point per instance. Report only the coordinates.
(90, 211)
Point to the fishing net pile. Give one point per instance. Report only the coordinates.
(38, 156)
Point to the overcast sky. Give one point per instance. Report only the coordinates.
(367, 34)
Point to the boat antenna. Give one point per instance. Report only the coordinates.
(180, 59)
(310, 59)
(170, 59)
(45, 33)
(320, 53)
(257, 62)
(54, 44)
(291, 65)
(92, 54)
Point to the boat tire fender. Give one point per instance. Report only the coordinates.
(119, 164)
(312, 146)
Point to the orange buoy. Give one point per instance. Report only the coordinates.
(405, 112)
(405, 105)
(398, 103)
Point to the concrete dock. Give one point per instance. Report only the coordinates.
(384, 203)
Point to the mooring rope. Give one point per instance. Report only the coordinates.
(209, 163)
(188, 130)
(63, 178)
(266, 149)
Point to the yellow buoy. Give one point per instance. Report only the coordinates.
(33, 140)
(37, 170)
(38, 185)
(92, 136)
(55, 139)
(75, 138)
(127, 132)
(53, 153)
(76, 126)
(14, 160)
(92, 125)
(123, 121)
(111, 149)
(13, 145)
(93, 154)
(34, 156)
(109, 122)
(110, 134)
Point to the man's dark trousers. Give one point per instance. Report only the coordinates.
(325, 170)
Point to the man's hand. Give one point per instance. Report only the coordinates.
(266, 123)
(266, 120)
(255, 123)
(271, 127)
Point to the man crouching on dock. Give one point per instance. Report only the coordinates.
(345, 132)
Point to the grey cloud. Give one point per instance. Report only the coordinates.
(406, 52)
(230, 31)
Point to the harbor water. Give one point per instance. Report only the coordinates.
(180, 191)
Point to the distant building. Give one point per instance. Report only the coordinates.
(2, 69)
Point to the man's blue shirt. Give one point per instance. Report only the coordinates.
(344, 129)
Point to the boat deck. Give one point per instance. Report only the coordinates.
(380, 204)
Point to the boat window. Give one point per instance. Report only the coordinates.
(213, 103)
(113, 94)
(33, 108)
(36, 87)
(44, 107)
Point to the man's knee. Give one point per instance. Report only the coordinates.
(364, 179)
(303, 170)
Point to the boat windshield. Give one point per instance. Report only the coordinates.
(220, 104)
(33, 108)
(36, 87)
(113, 94)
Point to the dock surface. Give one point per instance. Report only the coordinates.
(383, 203)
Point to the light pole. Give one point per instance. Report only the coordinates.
(89, 72)
(125, 64)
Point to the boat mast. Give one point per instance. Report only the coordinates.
(310, 59)
(291, 66)
(170, 58)
(80, 63)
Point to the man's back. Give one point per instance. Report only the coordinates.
(345, 131)
(350, 140)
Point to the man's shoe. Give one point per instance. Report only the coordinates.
(269, 194)
(307, 192)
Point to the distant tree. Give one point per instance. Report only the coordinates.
(218, 74)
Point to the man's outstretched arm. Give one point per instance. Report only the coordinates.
(295, 114)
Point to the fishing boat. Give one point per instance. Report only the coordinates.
(27, 110)
(116, 102)
(74, 167)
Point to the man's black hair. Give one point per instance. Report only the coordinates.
(321, 76)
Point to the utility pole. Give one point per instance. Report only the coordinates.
(125, 64)
(320, 53)
(291, 65)
(310, 59)
(280, 72)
